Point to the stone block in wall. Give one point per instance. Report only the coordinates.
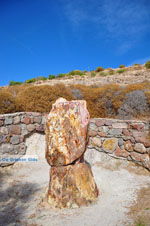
(121, 153)
(138, 147)
(16, 119)
(15, 139)
(3, 130)
(128, 145)
(8, 120)
(1, 122)
(37, 119)
(26, 120)
(118, 125)
(115, 132)
(30, 127)
(14, 130)
(110, 144)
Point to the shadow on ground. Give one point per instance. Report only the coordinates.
(14, 199)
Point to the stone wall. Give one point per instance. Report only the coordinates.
(124, 139)
(14, 128)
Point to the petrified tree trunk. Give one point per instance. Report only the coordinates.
(71, 180)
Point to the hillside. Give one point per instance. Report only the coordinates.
(128, 75)
(116, 93)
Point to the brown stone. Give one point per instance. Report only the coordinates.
(26, 120)
(71, 186)
(102, 134)
(14, 130)
(144, 140)
(92, 133)
(66, 131)
(137, 126)
(126, 132)
(139, 157)
(30, 127)
(128, 145)
(17, 119)
(121, 153)
(100, 122)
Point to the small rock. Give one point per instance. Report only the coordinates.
(120, 141)
(96, 141)
(121, 153)
(120, 125)
(110, 144)
(139, 148)
(15, 139)
(100, 122)
(126, 132)
(16, 119)
(30, 127)
(15, 130)
(8, 120)
(37, 119)
(115, 132)
(4, 130)
(1, 122)
(92, 133)
(128, 145)
(26, 120)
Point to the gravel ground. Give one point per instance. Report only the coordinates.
(23, 187)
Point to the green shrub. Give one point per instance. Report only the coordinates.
(147, 64)
(12, 83)
(43, 78)
(121, 71)
(98, 69)
(51, 77)
(93, 74)
(30, 80)
(111, 72)
(61, 75)
(7, 102)
(76, 72)
(102, 73)
(122, 66)
(136, 64)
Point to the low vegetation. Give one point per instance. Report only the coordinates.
(147, 64)
(98, 69)
(106, 101)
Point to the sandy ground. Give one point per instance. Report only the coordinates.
(23, 187)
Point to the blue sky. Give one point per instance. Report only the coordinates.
(42, 37)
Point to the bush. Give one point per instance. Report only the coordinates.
(61, 75)
(51, 77)
(12, 83)
(147, 64)
(41, 98)
(122, 66)
(98, 69)
(76, 72)
(30, 80)
(93, 74)
(111, 72)
(7, 102)
(121, 71)
(43, 78)
(102, 73)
